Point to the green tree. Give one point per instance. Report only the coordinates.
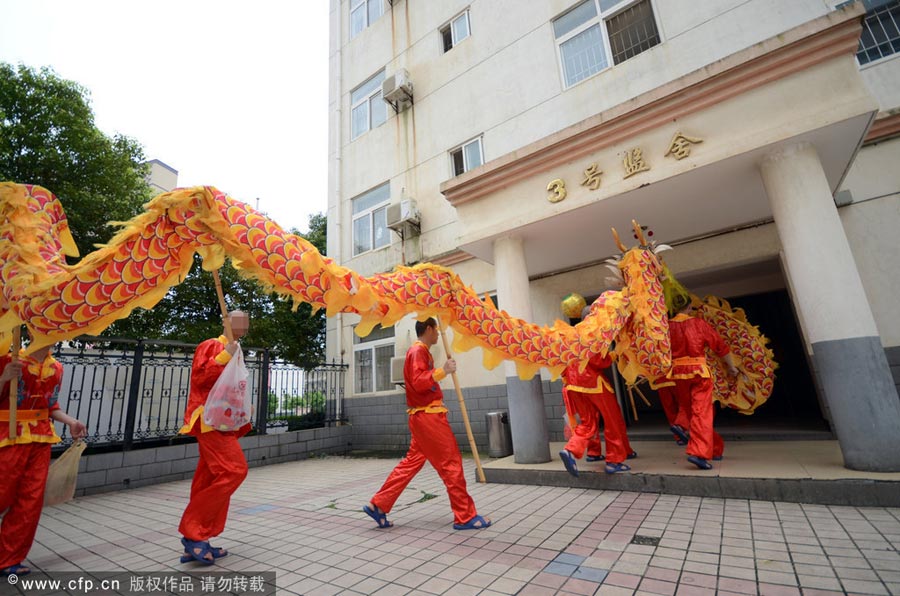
(48, 137)
(190, 312)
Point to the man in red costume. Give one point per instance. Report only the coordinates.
(222, 466)
(589, 395)
(25, 459)
(690, 336)
(432, 438)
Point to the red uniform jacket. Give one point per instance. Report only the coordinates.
(210, 359)
(690, 336)
(592, 379)
(38, 391)
(421, 377)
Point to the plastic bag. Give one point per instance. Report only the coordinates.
(228, 406)
(63, 475)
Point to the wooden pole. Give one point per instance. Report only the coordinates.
(225, 320)
(633, 408)
(462, 408)
(14, 388)
(643, 397)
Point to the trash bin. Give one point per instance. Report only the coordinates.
(499, 436)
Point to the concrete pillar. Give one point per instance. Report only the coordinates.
(829, 294)
(527, 420)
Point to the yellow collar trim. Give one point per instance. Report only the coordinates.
(42, 370)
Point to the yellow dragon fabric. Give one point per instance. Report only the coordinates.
(154, 251)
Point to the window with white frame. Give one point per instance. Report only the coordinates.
(367, 109)
(372, 360)
(370, 229)
(881, 30)
(595, 30)
(363, 13)
(455, 31)
(466, 157)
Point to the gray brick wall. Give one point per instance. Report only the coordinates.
(380, 423)
(106, 472)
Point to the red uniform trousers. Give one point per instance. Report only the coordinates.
(675, 406)
(432, 440)
(220, 471)
(23, 476)
(704, 441)
(590, 407)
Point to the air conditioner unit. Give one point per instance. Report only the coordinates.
(403, 217)
(397, 90)
(397, 370)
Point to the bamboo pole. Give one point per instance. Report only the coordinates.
(643, 397)
(225, 320)
(462, 408)
(14, 388)
(633, 408)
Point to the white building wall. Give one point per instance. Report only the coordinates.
(505, 82)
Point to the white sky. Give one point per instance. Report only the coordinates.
(229, 93)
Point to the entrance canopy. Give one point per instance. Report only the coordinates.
(682, 159)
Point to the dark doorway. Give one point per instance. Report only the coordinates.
(794, 401)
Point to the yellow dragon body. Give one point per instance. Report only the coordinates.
(154, 251)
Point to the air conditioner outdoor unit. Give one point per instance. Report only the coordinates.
(397, 370)
(397, 90)
(403, 217)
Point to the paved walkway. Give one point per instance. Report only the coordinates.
(303, 520)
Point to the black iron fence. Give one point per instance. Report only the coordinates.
(132, 392)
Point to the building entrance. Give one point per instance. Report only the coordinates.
(792, 411)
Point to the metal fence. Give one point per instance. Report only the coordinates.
(131, 392)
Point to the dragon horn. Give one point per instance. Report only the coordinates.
(638, 232)
(618, 241)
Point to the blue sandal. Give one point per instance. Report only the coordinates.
(198, 551)
(632, 455)
(600, 457)
(18, 570)
(476, 523)
(700, 462)
(613, 468)
(569, 461)
(378, 515)
(680, 433)
(217, 553)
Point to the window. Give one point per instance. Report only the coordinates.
(881, 30)
(370, 229)
(367, 109)
(455, 31)
(363, 13)
(466, 157)
(594, 30)
(372, 360)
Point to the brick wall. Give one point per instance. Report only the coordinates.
(380, 423)
(106, 472)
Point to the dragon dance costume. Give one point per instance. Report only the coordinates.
(25, 460)
(589, 395)
(690, 336)
(222, 466)
(432, 438)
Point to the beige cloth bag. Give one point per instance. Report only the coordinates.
(63, 475)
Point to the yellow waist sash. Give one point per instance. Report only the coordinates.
(435, 407)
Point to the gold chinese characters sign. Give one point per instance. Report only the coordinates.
(633, 163)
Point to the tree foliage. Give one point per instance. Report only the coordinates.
(48, 137)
